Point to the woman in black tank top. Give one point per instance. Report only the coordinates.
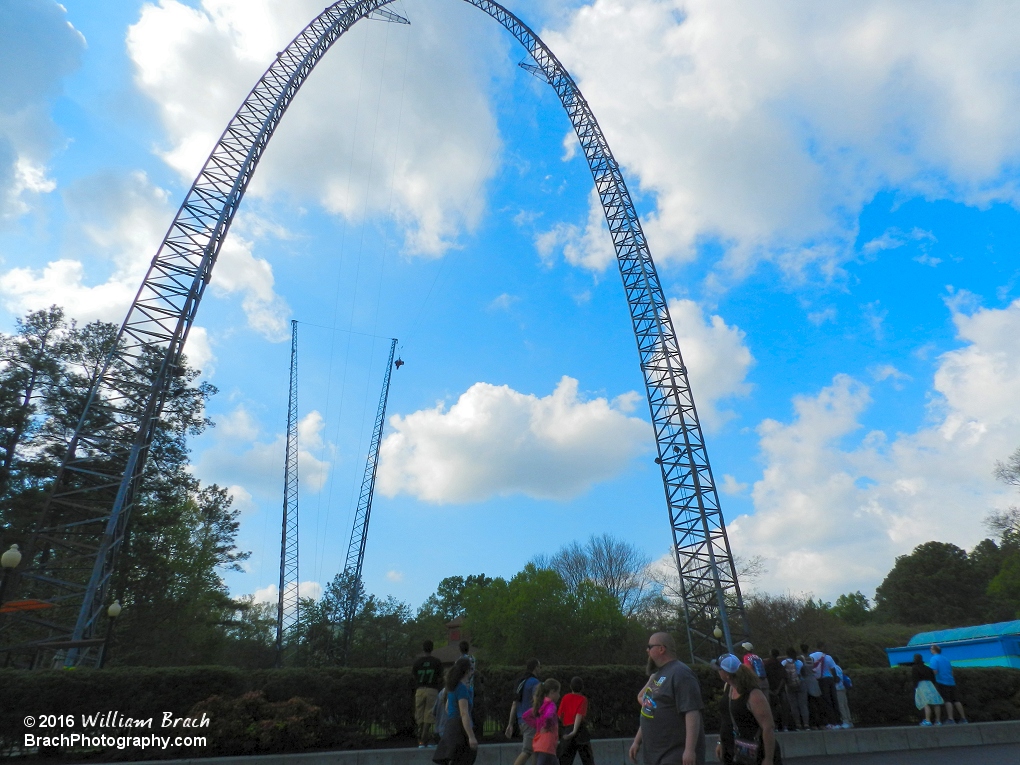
(744, 713)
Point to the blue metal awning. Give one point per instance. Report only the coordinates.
(1000, 629)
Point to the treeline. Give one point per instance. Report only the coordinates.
(590, 603)
(182, 534)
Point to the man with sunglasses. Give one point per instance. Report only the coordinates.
(671, 731)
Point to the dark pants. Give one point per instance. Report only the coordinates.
(816, 711)
(453, 747)
(829, 700)
(781, 710)
(579, 744)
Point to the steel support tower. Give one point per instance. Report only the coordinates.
(287, 604)
(359, 531)
(71, 554)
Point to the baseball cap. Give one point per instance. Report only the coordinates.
(727, 663)
(746, 646)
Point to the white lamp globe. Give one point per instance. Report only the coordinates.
(11, 558)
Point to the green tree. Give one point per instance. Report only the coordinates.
(853, 608)
(936, 583)
(319, 640)
(1005, 586)
(617, 566)
(535, 613)
(447, 602)
(182, 535)
(382, 634)
(33, 361)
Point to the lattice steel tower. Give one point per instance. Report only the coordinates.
(287, 616)
(70, 556)
(359, 531)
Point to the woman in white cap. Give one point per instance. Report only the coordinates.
(746, 728)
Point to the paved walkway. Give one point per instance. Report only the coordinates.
(998, 754)
(974, 744)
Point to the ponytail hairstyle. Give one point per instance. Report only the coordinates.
(551, 685)
(460, 668)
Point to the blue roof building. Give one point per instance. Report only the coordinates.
(986, 645)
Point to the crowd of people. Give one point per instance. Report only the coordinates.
(806, 690)
(801, 690)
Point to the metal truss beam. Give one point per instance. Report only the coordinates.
(96, 486)
(99, 477)
(359, 532)
(288, 600)
(709, 586)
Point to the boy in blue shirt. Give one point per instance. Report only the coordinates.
(946, 684)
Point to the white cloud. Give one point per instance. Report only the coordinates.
(394, 576)
(831, 514)
(271, 592)
(367, 134)
(893, 239)
(237, 270)
(122, 220)
(495, 441)
(882, 372)
(239, 460)
(241, 498)
(504, 302)
(768, 126)
(200, 353)
(236, 425)
(716, 357)
(732, 486)
(38, 48)
(590, 248)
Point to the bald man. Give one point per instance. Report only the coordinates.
(671, 731)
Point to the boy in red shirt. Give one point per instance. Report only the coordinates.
(577, 740)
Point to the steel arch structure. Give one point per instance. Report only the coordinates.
(71, 553)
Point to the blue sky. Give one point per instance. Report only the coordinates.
(830, 195)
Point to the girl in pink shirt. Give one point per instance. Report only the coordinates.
(542, 717)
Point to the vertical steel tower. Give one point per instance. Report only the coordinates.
(287, 603)
(70, 556)
(359, 532)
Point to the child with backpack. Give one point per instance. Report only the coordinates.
(796, 691)
(754, 662)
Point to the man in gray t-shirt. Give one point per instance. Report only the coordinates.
(671, 731)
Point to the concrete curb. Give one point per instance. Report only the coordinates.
(613, 751)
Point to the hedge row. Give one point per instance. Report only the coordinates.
(254, 710)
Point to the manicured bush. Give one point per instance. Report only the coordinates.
(886, 696)
(252, 725)
(294, 709)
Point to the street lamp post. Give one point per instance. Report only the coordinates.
(111, 613)
(9, 561)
